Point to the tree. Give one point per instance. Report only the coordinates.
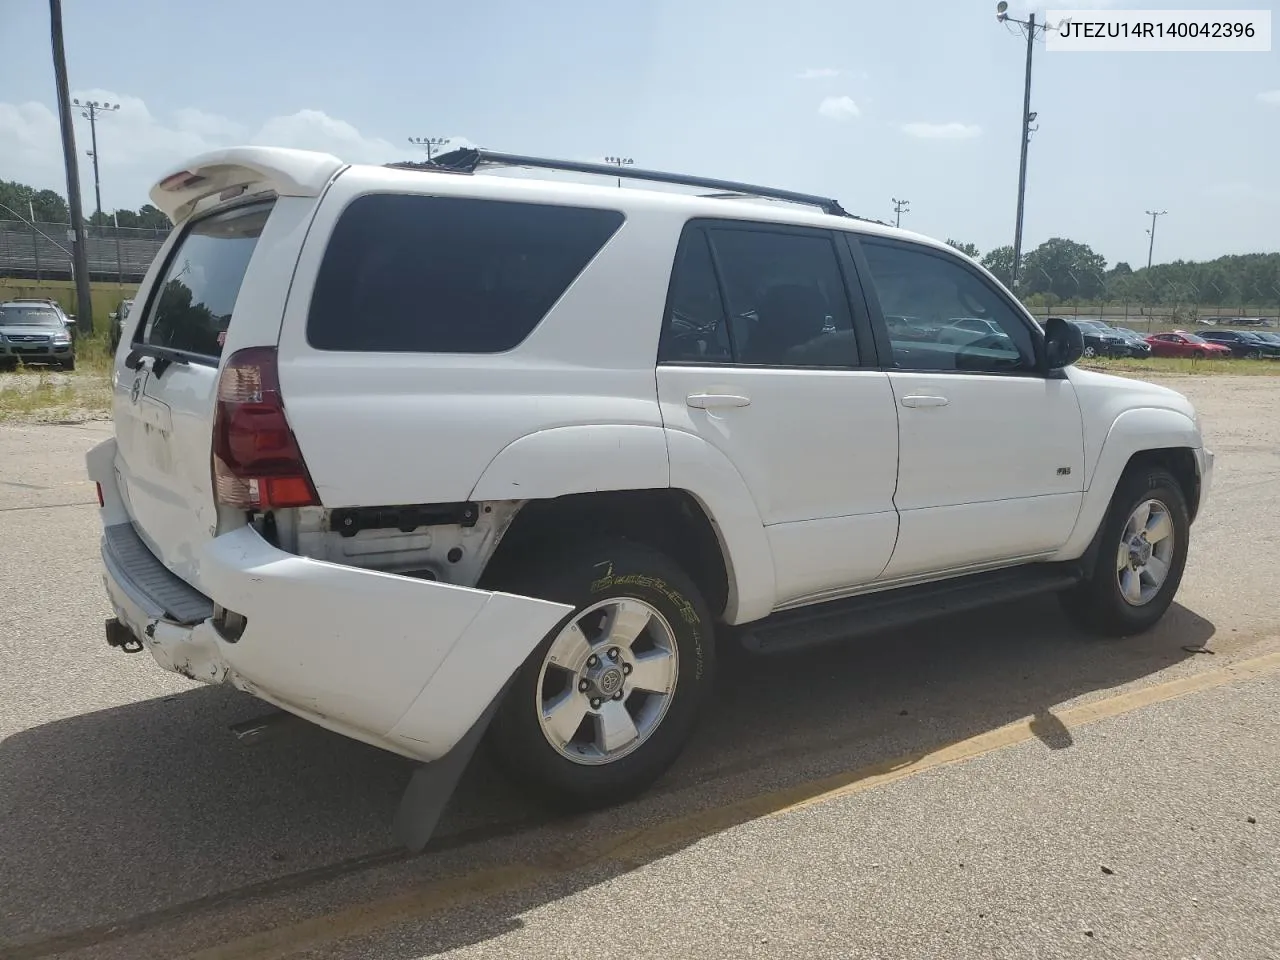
(968, 249)
(1065, 268)
(47, 205)
(1000, 262)
(154, 217)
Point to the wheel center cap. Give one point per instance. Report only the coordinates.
(1140, 551)
(610, 682)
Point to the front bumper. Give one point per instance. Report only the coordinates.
(36, 352)
(404, 664)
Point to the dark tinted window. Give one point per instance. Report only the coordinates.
(782, 296)
(695, 329)
(192, 304)
(448, 275)
(959, 321)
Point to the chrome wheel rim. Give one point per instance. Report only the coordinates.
(607, 681)
(1145, 554)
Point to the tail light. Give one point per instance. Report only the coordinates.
(256, 461)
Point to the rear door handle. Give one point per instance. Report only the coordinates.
(705, 400)
(920, 401)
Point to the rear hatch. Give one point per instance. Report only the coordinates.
(209, 312)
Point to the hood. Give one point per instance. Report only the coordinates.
(21, 329)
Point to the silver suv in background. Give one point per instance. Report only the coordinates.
(35, 331)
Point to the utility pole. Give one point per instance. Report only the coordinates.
(1028, 117)
(1152, 245)
(90, 110)
(429, 144)
(899, 208)
(619, 162)
(80, 252)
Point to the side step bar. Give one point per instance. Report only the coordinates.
(855, 616)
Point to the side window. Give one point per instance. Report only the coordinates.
(192, 305)
(785, 297)
(416, 274)
(695, 330)
(970, 327)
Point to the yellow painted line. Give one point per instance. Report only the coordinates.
(645, 845)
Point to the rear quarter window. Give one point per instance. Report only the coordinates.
(190, 308)
(415, 274)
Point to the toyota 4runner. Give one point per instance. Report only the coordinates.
(420, 453)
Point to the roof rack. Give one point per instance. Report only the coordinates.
(468, 159)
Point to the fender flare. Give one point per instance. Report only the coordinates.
(706, 474)
(590, 458)
(584, 458)
(1132, 432)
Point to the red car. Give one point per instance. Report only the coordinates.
(1183, 344)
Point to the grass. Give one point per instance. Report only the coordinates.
(1183, 366)
(38, 394)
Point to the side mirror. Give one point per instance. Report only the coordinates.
(1063, 343)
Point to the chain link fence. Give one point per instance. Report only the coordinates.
(1152, 302)
(42, 251)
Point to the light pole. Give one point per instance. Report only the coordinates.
(1028, 117)
(899, 208)
(619, 162)
(1152, 245)
(429, 144)
(90, 110)
(80, 252)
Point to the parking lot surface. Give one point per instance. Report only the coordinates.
(989, 785)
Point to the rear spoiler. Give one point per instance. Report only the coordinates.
(287, 173)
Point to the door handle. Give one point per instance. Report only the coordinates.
(919, 401)
(704, 401)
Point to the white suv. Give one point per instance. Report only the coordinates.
(418, 452)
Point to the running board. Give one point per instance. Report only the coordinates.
(868, 613)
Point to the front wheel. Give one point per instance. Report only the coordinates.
(1143, 552)
(610, 697)
(69, 364)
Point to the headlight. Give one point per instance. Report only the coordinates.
(62, 338)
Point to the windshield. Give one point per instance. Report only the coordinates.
(1194, 338)
(12, 315)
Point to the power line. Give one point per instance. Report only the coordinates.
(1152, 245)
(90, 110)
(429, 144)
(899, 208)
(619, 162)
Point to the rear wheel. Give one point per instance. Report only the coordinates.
(1143, 552)
(608, 700)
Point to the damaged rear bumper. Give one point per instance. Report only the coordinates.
(404, 664)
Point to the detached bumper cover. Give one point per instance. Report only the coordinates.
(405, 664)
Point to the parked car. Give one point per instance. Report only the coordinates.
(34, 331)
(1243, 343)
(68, 320)
(1183, 344)
(429, 456)
(969, 330)
(1268, 336)
(1099, 339)
(1135, 345)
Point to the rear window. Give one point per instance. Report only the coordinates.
(191, 306)
(413, 274)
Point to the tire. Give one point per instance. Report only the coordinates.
(1099, 603)
(579, 773)
(69, 364)
(1199, 354)
(1255, 355)
(1090, 352)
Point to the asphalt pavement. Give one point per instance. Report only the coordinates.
(989, 785)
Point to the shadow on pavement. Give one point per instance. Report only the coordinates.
(115, 821)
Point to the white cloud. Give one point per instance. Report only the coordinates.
(838, 108)
(942, 131)
(135, 146)
(1270, 96)
(818, 73)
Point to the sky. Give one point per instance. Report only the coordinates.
(864, 101)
